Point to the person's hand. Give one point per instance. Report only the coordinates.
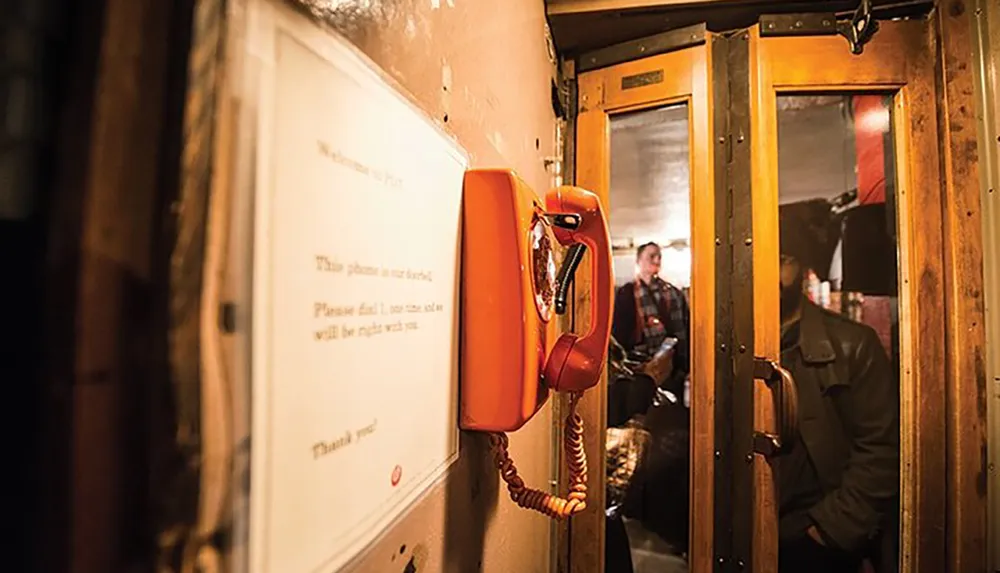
(660, 366)
(814, 534)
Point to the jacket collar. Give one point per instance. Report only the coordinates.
(654, 281)
(814, 338)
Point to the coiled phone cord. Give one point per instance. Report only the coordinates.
(540, 501)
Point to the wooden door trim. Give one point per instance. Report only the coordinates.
(986, 50)
(967, 395)
(900, 59)
(642, 48)
(600, 97)
(558, 7)
(736, 347)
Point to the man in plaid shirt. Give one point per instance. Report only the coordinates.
(648, 310)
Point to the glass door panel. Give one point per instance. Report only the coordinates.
(651, 233)
(838, 275)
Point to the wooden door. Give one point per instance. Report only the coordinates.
(669, 92)
(889, 272)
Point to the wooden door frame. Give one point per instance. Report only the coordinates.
(602, 95)
(967, 543)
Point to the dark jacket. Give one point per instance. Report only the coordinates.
(627, 331)
(624, 324)
(849, 417)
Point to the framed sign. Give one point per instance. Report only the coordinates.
(357, 236)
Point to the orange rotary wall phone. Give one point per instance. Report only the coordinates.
(512, 354)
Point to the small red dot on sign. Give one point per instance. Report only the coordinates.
(397, 474)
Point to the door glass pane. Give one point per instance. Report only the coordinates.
(838, 486)
(648, 410)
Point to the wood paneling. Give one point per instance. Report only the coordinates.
(966, 396)
(685, 80)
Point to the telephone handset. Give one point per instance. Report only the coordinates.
(575, 362)
(512, 353)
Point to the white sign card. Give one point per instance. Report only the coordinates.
(355, 309)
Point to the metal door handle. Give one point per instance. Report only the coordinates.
(786, 406)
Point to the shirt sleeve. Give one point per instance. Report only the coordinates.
(850, 514)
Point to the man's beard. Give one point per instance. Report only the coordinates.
(791, 299)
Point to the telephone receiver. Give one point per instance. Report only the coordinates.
(512, 352)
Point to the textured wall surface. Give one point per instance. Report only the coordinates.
(483, 70)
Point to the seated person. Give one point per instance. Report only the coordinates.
(649, 310)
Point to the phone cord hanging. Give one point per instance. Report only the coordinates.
(540, 501)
